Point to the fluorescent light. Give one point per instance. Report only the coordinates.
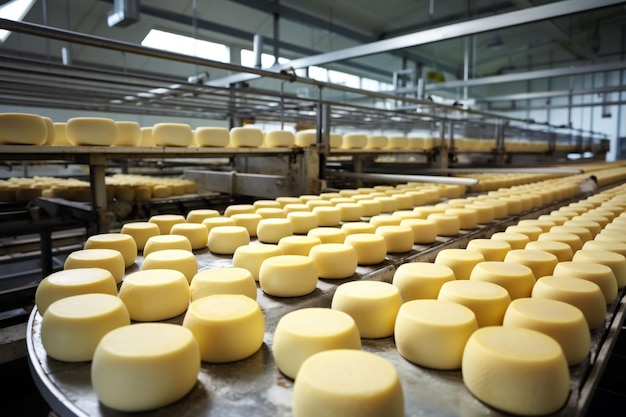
(186, 45)
(14, 10)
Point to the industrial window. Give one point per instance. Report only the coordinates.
(267, 60)
(186, 45)
(14, 10)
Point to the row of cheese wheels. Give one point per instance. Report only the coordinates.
(602, 206)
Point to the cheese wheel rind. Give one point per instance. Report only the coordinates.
(109, 259)
(288, 275)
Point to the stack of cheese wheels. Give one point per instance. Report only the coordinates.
(72, 327)
(246, 137)
(206, 136)
(373, 305)
(164, 242)
(128, 133)
(226, 280)
(172, 134)
(177, 259)
(302, 333)
(445, 324)
(334, 260)
(91, 131)
(227, 327)
(131, 363)
(251, 256)
(420, 280)
(516, 370)
(196, 233)
(22, 129)
(155, 294)
(488, 301)
(347, 382)
(108, 259)
(120, 242)
(288, 276)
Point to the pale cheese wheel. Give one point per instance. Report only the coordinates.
(597, 273)
(468, 218)
(461, 261)
(172, 134)
(398, 142)
(284, 200)
(593, 227)
(206, 136)
(347, 382)
(73, 326)
(238, 209)
(334, 260)
(357, 227)
(573, 240)
(492, 249)
(385, 220)
(227, 327)
(251, 256)
(298, 245)
(212, 222)
(288, 276)
(328, 234)
(155, 294)
(421, 280)
(305, 138)
(403, 201)
(163, 242)
(196, 233)
(335, 140)
(128, 133)
(177, 259)
(557, 319)
(446, 224)
(50, 132)
(484, 213)
(516, 370)
(354, 141)
(540, 262)
(532, 232)
(271, 213)
(377, 141)
(609, 235)
(370, 248)
(583, 233)
(224, 240)
(373, 305)
(516, 278)
(585, 295)
(545, 225)
(613, 260)
(279, 139)
(146, 136)
(108, 259)
(513, 203)
(296, 207)
(91, 131)
(487, 300)
(424, 231)
(248, 220)
(370, 207)
(120, 242)
(273, 229)
(350, 212)
(198, 215)
(399, 239)
(246, 137)
(258, 204)
(446, 325)
(166, 221)
(553, 218)
(305, 332)
(327, 215)
(389, 204)
(141, 232)
(227, 280)
(561, 250)
(60, 136)
(161, 191)
(302, 221)
(617, 247)
(406, 214)
(500, 208)
(131, 363)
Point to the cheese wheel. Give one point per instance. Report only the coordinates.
(406, 214)
(22, 129)
(597, 273)
(593, 227)
(373, 305)
(302, 221)
(385, 220)
(446, 325)
(196, 233)
(500, 208)
(370, 207)
(91, 131)
(553, 218)
(60, 136)
(271, 213)
(398, 142)
(298, 245)
(616, 247)
(258, 204)
(177, 259)
(424, 231)
(403, 201)
(141, 232)
(72, 327)
(155, 294)
(279, 138)
(398, 238)
(146, 138)
(491, 249)
(615, 261)
(334, 260)
(166, 221)
(487, 300)
(516, 278)
(583, 233)
(615, 227)
(131, 363)
(513, 203)
(50, 131)
(205, 136)
(327, 215)
(357, 227)
(461, 261)
(515, 240)
(198, 215)
(328, 234)
(335, 140)
(163, 242)
(108, 259)
(585, 295)
(305, 332)
(347, 382)
(354, 141)
(557, 319)
(532, 232)
(161, 191)
(573, 240)
(296, 207)
(172, 134)
(224, 240)
(212, 222)
(273, 229)
(248, 220)
(350, 212)
(370, 248)
(251, 256)
(417, 197)
(540, 262)
(227, 327)
(288, 276)
(516, 370)
(377, 141)
(389, 204)
(227, 280)
(484, 213)
(305, 138)
(128, 133)
(246, 137)
(561, 250)
(238, 209)
(544, 225)
(120, 242)
(284, 200)
(446, 224)
(468, 219)
(609, 235)
(421, 280)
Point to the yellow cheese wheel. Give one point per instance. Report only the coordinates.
(327, 215)
(358, 227)
(461, 261)
(389, 204)
(238, 209)
(585, 295)
(196, 233)
(131, 363)
(446, 224)
(206, 136)
(597, 273)
(406, 214)
(288, 276)
(609, 235)
(421, 280)
(350, 212)
(557, 319)
(385, 220)
(279, 139)
(583, 233)
(593, 227)
(273, 229)
(335, 140)
(487, 300)
(91, 131)
(258, 204)
(227, 327)
(485, 213)
(491, 249)
(72, 327)
(540, 262)
(128, 133)
(553, 218)
(198, 215)
(155, 294)
(516, 370)
(248, 220)
(532, 232)
(354, 141)
(108, 259)
(347, 382)
(424, 231)
(515, 240)
(163, 242)
(68, 282)
(296, 207)
(166, 221)
(370, 207)
(246, 137)
(613, 260)
(298, 245)
(370, 248)
(500, 208)
(446, 325)
(224, 240)
(398, 142)
(373, 305)
(251, 256)
(172, 134)
(302, 221)
(177, 259)
(284, 200)
(226, 280)
(544, 225)
(517, 279)
(403, 201)
(305, 138)
(377, 141)
(22, 129)
(271, 213)
(334, 260)
(468, 218)
(328, 234)
(146, 136)
(561, 250)
(617, 247)
(398, 238)
(305, 332)
(60, 136)
(212, 222)
(573, 240)
(140, 232)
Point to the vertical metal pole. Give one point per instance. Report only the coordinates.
(276, 35)
(98, 191)
(257, 47)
